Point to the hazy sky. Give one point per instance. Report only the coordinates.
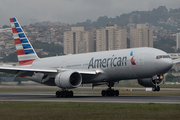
(73, 11)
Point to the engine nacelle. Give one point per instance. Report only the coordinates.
(68, 79)
(151, 82)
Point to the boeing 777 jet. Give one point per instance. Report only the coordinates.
(147, 65)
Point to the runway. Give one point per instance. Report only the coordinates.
(86, 98)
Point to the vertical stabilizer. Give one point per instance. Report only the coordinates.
(25, 52)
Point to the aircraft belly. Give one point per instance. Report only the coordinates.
(88, 78)
(120, 73)
(38, 79)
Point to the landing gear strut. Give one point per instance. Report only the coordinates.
(110, 91)
(64, 93)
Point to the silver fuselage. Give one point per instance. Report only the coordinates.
(116, 64)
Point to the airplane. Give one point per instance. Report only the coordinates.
(145, 64)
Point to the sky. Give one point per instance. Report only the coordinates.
(73, 11)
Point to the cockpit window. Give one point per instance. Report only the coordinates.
(166, 56)
(162, 56)
(159, 57)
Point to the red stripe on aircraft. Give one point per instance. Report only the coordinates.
(14, 30)
(17, 41)
(11, 20)
(26, 62)
(20, 52)
(23, 76)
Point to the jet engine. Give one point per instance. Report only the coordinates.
(68, 79)
(151, 82)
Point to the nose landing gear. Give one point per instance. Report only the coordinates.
(158, 81)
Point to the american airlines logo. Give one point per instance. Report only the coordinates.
(132, 58)
(107, 62)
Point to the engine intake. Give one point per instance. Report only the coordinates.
(68, 79)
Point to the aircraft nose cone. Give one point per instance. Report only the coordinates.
(164, 65)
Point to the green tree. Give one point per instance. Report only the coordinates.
(11, 58)
(52, 48)
(5, 26)
(102, 21)
(165, 45)
(171, 78)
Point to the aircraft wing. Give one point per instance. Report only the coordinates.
(25, 71)
(175, 61)
(29, 71)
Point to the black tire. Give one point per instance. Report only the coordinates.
(57, 94)
(71, 94)
(154, 89)
(158, 88)
(117, 93)
(103, 93)
(61, 94)
(64, 94)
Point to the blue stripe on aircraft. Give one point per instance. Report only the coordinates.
(14, 19)
(21, 35)
(26, 46)
(19, 30)
(131, 54)
(30, 51)
(24, 40)
(16, 25)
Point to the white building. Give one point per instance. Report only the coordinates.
(111, 38)
(142, 36)
(78, 41)
(178, 41)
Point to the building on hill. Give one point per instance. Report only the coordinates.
(78, 41)
(141, 36)
(111, 38)
(178, 41)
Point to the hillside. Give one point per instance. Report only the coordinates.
(161, 16)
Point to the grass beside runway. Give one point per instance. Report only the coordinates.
(87, 111)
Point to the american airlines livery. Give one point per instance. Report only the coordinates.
(147, 65)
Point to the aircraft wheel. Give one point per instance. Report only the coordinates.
(103, 93)
(110, 93)
(64, 94)
(71, 93)
(117, 93)
(57, 94)
(154, 89)
(158, 88)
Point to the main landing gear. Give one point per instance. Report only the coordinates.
(110, 91)
(64, 93)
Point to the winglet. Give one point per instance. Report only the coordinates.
(25, 52)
